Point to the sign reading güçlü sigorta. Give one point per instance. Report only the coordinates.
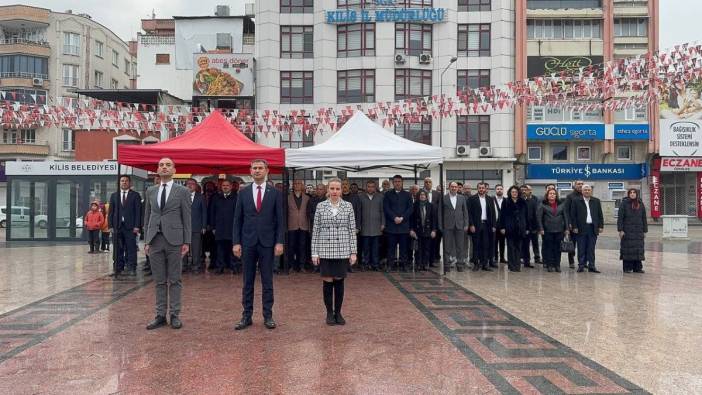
(386, 11)
(564, 131)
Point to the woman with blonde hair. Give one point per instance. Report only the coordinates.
(334, 248)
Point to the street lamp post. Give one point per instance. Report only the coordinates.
(441, 145)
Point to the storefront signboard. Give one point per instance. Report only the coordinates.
(681, 164)
(699, 195)
(634, 131)
(566, 131)
(655, 185)
(386, 11)
(569, 171)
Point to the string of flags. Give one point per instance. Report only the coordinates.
(620, 84)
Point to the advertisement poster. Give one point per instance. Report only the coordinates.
(699, 195)
(547, 65)
(681, 119)
(223, 75)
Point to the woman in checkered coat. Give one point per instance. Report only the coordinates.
(334, 247)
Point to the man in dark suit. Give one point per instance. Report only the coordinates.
(221, 219)
(481, 210)
(125, 220)
(499, 200)
(258, 235)
(397, 206)
(588, 222)
(167, 241)
(573, 196)
(198, 221)
(434, 197)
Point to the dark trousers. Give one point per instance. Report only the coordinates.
(395, 240)
(587, 239)
(193, 260)
(436, 247)
(499, 247)
(126, 252)
(552, 249)
(370, 251)
(514, 252)
(105, 241)
(261, 257)
(571, 255)
(296, 250)
(224, 254)
(210, 245)
(424, 255)
(94, 240)
(481, 245)
(533, 240)
(632, 265)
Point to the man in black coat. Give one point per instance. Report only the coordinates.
(575, 195)
(198, 224)
(221, 219)
(588, 222)
(125, 220)
(499, 248)
(397, 206)
(532, 238)
(434, 197)
(481, 210)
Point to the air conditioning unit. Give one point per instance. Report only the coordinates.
(400, 58)
(425, 58)
(38, 81)
(462, 150)
(485, 152)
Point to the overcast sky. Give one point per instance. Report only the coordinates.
(679, 18)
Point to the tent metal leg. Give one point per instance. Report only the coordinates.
(442, 264)
(285, 269)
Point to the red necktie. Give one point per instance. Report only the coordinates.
(258, 200)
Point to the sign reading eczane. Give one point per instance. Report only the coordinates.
(581, 131)
(386, 11)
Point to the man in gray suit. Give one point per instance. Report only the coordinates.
(167, 241)
(454, 225)
(372, 225)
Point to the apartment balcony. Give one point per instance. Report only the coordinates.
(21, 14)
(24, 80)
(36, 148)
(24, 47)
(630, 8)
(152, 39)
(249, 39)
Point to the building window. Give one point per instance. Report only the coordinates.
(296, 42)
(412, 38)
(624, 152)
(69, 140)
(355, 40)
(19, 136)
(414, 3)
(472, 79)
(115, 58)
(354, 3)
(561, 29)
(418, 132)
(355, 86)
(473, 130)
(559, 114)
(98, 79)
(632, 114)
(296, 139)
(71, 43)
(559, 152)
(562, 4)
(474, 5)
(99, 48)
(474, 39)
(584, 153)
(114, 84)
(473, 177)
(296, 6)
(163, 58)
(296, 87)
(534, 153)
(23, 66)
(70, 75)
(26, 96)
(411, 83)
(630, 27)
(127, 63)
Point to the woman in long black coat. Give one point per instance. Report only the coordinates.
(424, 226)
(513, 224)
(632, 227)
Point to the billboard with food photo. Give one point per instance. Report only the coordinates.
(223, 75)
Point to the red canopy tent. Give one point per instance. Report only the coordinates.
(213, 146)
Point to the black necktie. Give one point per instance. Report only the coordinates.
(163, 197)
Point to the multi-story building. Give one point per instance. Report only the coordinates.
(44, 55)
(609, 149)
(331, 53)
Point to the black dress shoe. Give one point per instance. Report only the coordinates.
(571, 265)
(339, 319)
(593, 270)
(176, 323)
(269, 323)
(581, 269)
(158, 322)
(493, 265)
(476, 267)
(557, 269)
(486, 269)
(331, 320)
(243, 324)
(148, 273)
(220, 271)
(529, 265)
(641, 271)
(131, 273)
(503, 261)
(549, 269)
(628, 271)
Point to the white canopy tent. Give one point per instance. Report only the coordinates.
(362, 144)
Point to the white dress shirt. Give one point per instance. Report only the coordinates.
(254, 189)
(429, 196)
(588, 220)
(483, 208)
(169, 187)
(453, 199)
(192, 197)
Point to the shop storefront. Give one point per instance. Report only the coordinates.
(47, 200)
(676, 186)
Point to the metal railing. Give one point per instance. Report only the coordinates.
(12, 41)
(249, 39)
(146, 39)
(19, 141)
(14, 74)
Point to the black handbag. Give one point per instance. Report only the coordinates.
(567, 245)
